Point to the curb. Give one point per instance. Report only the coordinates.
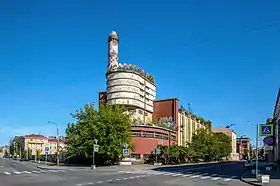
(248, 182)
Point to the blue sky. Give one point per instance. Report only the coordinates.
(220, 56)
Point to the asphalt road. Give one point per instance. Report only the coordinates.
(210, 175)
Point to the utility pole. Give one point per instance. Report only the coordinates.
(57, 143)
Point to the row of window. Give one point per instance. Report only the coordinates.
(157, 135)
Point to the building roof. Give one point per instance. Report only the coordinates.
(167, 99)
(222, 128)
(35, 136)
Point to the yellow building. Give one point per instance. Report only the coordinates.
(37, 142)
(188, 124)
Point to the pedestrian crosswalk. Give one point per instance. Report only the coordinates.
(30, 172)
(190, 175)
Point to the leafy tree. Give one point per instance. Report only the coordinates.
(223, 143)
(17, 145)
(109, 125)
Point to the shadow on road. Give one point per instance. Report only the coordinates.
(233, 170)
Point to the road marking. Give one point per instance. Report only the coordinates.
(214, 175)
(137, 176)
(99, 182)
(43, 171)
(216, 178)
(79, 184)
(27, 172)
(186, 175)
(7, 173)
(90, 183)
(227, 179)
(128, 172)
(195, 176)
(125, 178)
(177, 175)
(205, 177)
(131, 177)
(118, 179)
(110, 180)
(18, 172)
(36, 172)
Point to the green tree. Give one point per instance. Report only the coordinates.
(223, 143)
(109, 125)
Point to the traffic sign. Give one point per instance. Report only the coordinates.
(266, 129)
(47, 149)
(125, 151)
(96, 148)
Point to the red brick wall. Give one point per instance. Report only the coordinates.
(144, 145)
(166, 108)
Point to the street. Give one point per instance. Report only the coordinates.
(16, 173)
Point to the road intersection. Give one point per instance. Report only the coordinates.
(30, 175)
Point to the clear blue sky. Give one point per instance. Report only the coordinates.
(220, 56)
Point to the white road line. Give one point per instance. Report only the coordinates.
(195, 176)
(131, 177)
(214, 175)
(18, 172)
(125, 178)
(110, 180)
(27, 172)
(227, 179)
(168, 174)
(99, 182)
(118, 179)
(43, 171)
(128, 172)
(186, 175)
(177, 175)
(216, 178)
(137, 176)
(7, 173)
(205, 177)
(79, 184)
(36, 171)
(90, 183)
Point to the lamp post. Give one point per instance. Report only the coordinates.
(57, 143)
(93, 153)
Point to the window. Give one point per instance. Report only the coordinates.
(146, 113)
(136, 133)
(158, 135)
(165, 136)
(140, 111)
(148, 134)
(147, 88)
(141, 84)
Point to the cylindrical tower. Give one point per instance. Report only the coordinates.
(113, 53)
(128, 85)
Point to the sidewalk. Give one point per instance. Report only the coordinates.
(250, 178)
(121, 167)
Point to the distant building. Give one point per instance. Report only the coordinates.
(232, 134)
(37, 142)
(243, 147)
(276, 118)
(187, 125)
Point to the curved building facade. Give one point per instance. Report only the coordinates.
(129, 85)
(146, 137)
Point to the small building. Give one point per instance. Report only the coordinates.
(231, 133)
(146, 137)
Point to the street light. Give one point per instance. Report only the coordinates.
(57, 143)
(93, 152)
(228, 126)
